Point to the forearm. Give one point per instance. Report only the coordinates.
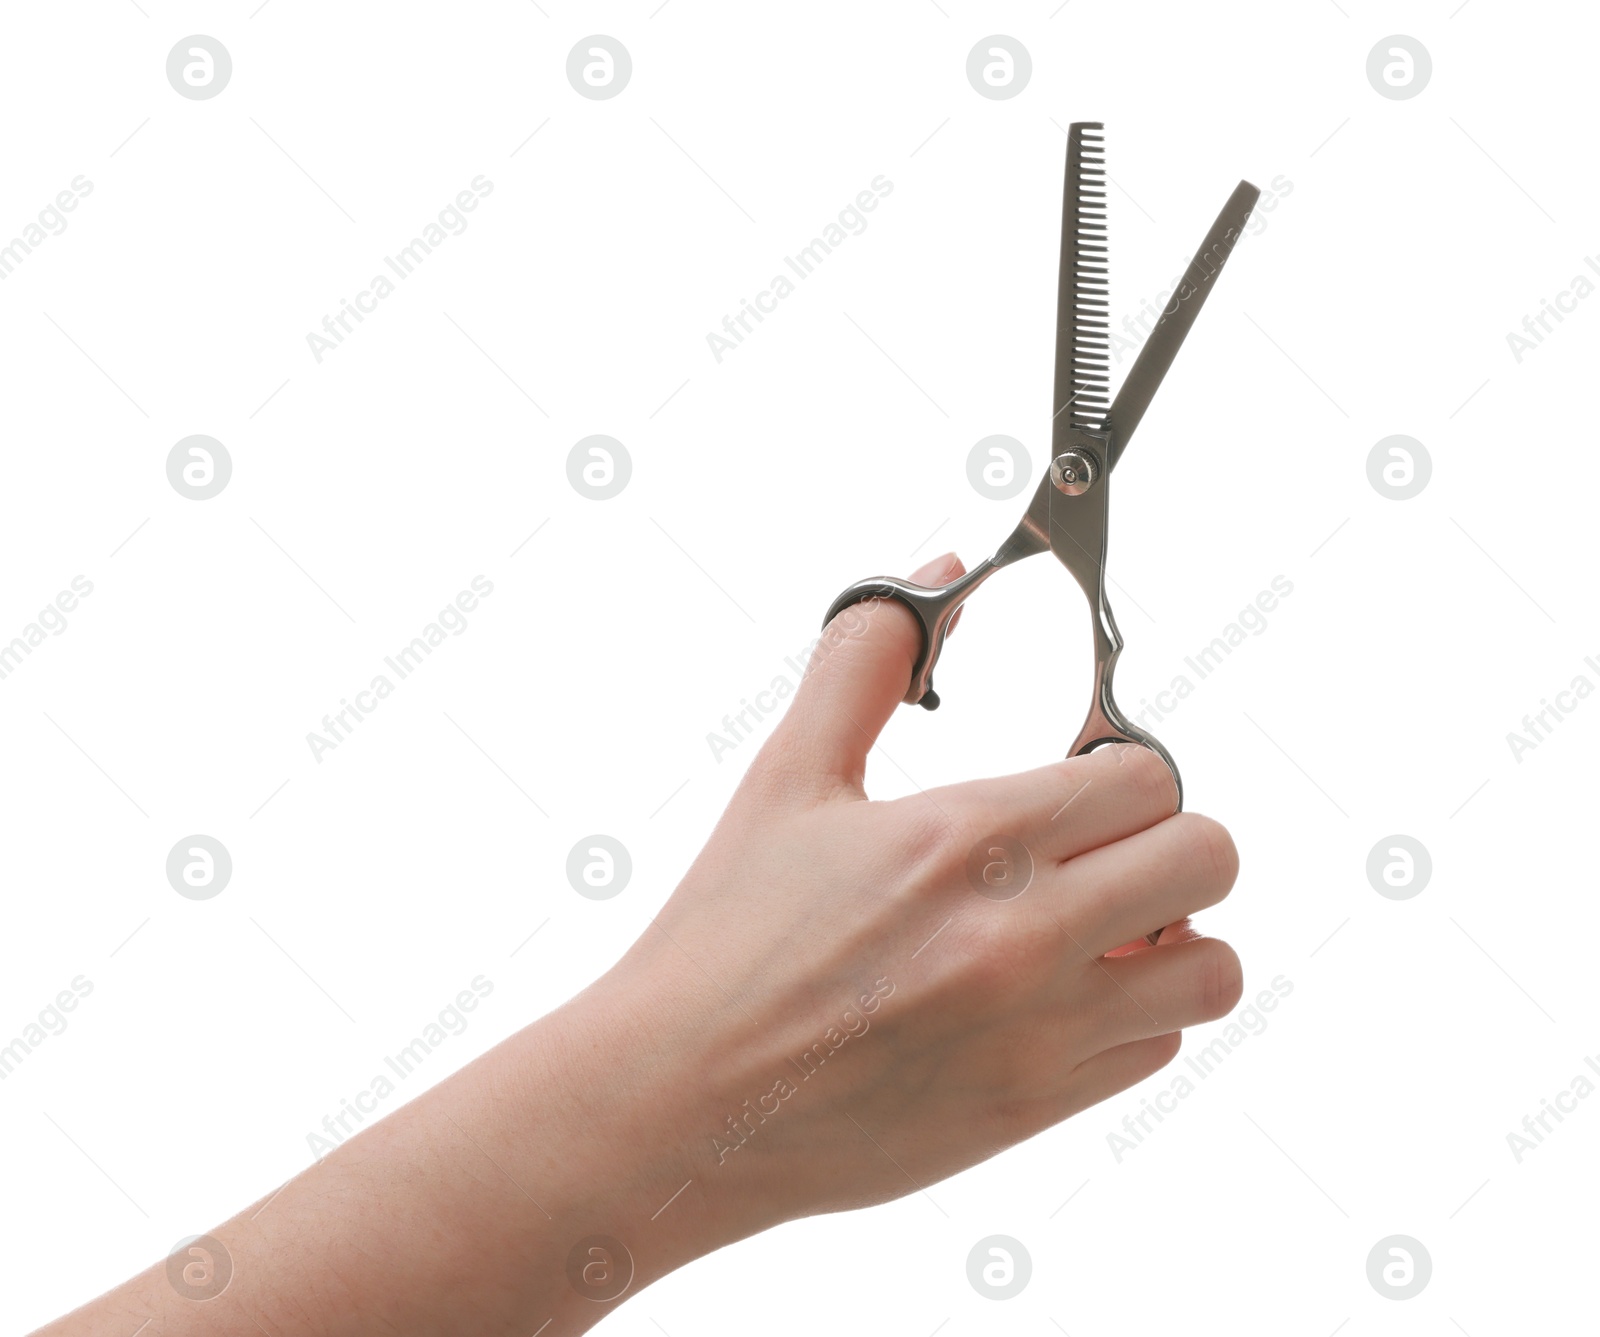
(829, 1011)
(461, 1211)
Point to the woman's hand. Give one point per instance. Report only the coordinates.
(844, 1001)
(865, 997)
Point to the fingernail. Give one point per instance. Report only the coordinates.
(929, 572)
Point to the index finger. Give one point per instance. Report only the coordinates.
(1069, 807)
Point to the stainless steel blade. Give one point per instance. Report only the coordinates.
(1182, 307)
(1083, 369)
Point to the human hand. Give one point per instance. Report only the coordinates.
(843, 1008)
(834, 1008)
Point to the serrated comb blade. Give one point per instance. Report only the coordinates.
(1083, 369)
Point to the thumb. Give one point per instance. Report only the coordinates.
(859, 672)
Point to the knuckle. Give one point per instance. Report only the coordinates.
(1062, 783)
(976, 845)
(867, 630)
(1006, 957)
(955, 832)
(1146, 775)
(991, 963)
(934, 840)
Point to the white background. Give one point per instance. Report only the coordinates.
(367, 490)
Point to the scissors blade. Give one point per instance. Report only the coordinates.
(1167, 338)
(1083, 369)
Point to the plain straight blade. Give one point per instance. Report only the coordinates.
(1184, 305)
(1083, 369)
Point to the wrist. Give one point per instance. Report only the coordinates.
(619, 1142)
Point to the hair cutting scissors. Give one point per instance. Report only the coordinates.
(1068, 513)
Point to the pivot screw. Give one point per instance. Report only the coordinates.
(1073, 472)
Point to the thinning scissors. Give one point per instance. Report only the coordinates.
(1068, 513)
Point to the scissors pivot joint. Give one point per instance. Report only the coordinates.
(1074, 472)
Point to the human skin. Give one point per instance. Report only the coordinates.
(943, 1025)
